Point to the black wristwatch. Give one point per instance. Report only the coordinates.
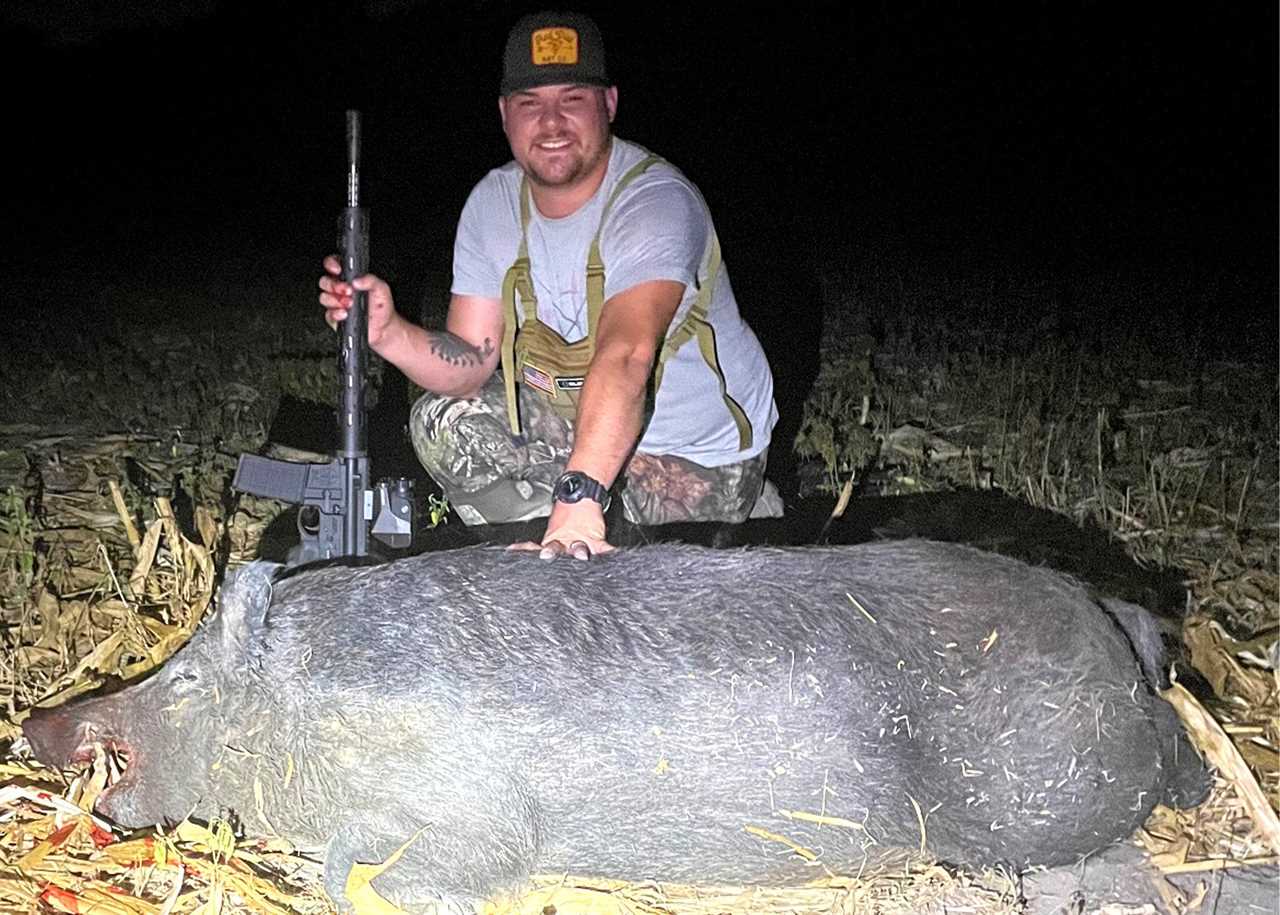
(575, 486)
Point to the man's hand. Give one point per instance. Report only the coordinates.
(576, 530)
(454, 362)
(336, 297)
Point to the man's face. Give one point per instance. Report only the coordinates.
(559, 134)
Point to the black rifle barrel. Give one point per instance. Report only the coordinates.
(353, 158)
(352, 336)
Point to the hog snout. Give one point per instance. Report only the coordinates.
(57, 738)
(61, 739)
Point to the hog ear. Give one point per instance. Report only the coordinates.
(242, 606)
(1143, 629)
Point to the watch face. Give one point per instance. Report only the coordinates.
(570, 488)
(575, 486)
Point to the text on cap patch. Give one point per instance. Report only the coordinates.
(555, 45)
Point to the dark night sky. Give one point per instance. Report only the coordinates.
(1064, 136)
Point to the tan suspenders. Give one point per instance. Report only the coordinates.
(556, 369)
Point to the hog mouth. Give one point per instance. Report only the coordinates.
(105, 765)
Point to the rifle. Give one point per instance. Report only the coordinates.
(338, 511)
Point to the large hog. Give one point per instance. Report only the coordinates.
(634, 715)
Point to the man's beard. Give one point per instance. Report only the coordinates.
(581, 166)
(559, 178)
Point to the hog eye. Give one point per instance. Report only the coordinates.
(184, 675)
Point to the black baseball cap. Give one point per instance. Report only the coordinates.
(550, 47)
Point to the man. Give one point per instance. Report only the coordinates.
(589, 270)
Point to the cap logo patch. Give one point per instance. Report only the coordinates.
(555, 45)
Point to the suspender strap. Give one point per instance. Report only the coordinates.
(695, 323)
(518, 280)
(595, 264)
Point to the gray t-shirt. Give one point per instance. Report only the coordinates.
(658, 229)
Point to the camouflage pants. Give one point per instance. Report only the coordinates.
(491, 476)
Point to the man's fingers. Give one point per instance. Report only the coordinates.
(342, 289)
(336, 293)
(333, 286)
(549, 550)
(578, 549)
(553, 549)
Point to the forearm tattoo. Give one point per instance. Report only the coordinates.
(454, 350)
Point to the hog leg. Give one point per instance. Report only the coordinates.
(401, 883)
(443, 866)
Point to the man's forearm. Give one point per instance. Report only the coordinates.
(437, 360)
(610, 414)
